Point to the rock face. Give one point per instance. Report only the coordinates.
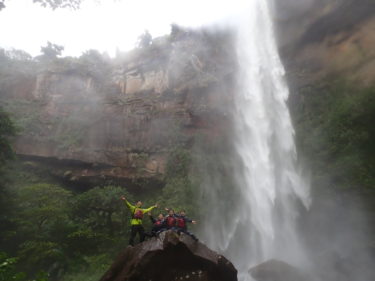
(275, 270)
(116, 120)
(327, 38)
(170, 257)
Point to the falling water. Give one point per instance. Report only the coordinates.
(258, 219)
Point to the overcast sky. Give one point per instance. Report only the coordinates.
(104, 25)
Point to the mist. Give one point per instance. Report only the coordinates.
(106, 25)
(217, 108)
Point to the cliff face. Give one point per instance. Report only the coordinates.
(121, 123)
(330, 63)
(98, 120)
(328, 38)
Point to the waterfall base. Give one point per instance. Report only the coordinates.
(275, 270)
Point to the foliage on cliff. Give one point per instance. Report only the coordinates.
(53, 4)
(7, 130)
(63, 231)
(335, 131)
(57, 230)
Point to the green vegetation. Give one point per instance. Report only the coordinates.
(51, 51)
(7, 130)
(75, 235)
(53, 4)
(56, 230)
(66, 128)
(336, 132)
(25, 115)
(181, 188)
(8, 270)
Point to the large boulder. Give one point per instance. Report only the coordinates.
(170, 257)
(276, 270)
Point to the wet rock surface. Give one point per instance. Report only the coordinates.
(119, 120)
(276, 270)
(170, 257)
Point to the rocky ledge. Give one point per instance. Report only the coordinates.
(170, 257)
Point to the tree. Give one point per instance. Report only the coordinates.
(95, 64)
(8, 269)
(144, 40)
(92, 57)
(18, 55)
(41, 206)
(176, 31)
(7, 130)
(98, 206)
(53, 4)
(42, 219)
(51, 51)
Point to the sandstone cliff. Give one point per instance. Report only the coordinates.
(98, 120)
(118, 119)
(325, 38)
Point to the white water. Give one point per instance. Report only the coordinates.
(259, 222)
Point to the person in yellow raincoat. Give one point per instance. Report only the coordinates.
(136, 220)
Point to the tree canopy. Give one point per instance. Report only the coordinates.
(7, 130)
(53, 4)
(51, 51)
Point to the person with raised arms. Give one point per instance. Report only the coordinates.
(136, 220)
(158, 225)
(181, 224)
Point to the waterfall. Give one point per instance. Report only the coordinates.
(253, 217)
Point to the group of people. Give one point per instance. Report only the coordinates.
(171, 221)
